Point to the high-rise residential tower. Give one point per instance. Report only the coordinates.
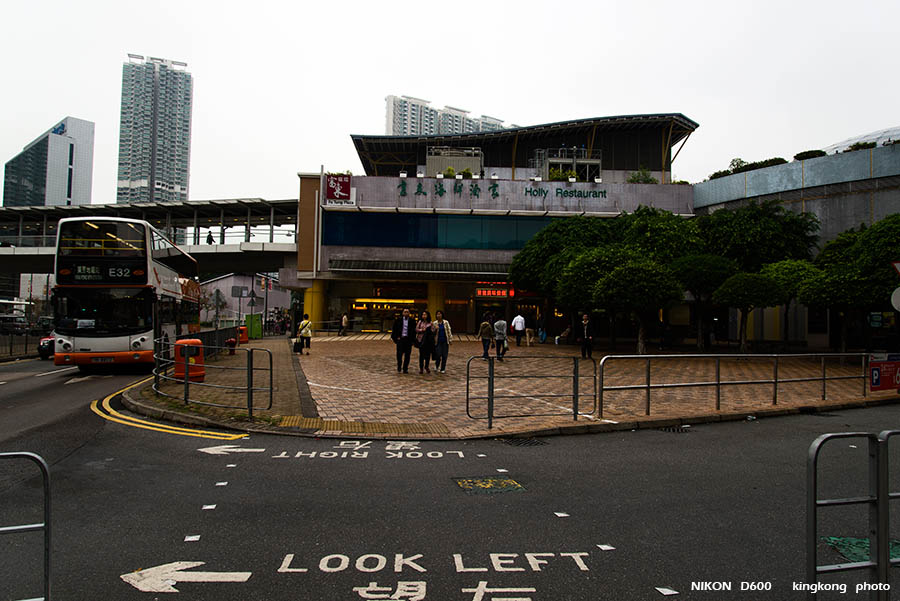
(408, 116)
(55, 169)
(154, 130)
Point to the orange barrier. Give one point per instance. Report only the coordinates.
(243, 336)
(193, 348)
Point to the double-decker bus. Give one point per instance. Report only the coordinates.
(120, 284)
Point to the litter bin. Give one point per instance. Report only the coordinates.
(193, 349)
(243, 335)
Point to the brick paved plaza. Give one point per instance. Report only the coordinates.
(350, 386)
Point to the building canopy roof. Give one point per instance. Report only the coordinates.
(627, 142)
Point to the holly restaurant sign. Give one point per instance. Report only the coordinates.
(478, 188)
(417, 193)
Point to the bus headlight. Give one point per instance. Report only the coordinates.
(64, 344)
(136, 344)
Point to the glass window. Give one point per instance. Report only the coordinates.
(101, 238)
(103, 311)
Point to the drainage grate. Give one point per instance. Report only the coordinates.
(488, 485)
(522, 442)
(676, 429)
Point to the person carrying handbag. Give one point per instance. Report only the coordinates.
(304, 333)
(443, 336)
(500, 329)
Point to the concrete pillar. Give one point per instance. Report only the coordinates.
(314, 303)
(435, 297)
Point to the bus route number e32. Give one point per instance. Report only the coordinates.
(119, 272)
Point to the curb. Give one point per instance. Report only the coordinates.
(142, 408)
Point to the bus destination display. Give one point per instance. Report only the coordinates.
(101, 272)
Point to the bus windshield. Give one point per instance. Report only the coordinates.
(98, 238)
(103, 311)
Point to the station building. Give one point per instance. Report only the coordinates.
(412, 233)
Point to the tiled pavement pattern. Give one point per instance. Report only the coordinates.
(352, 388)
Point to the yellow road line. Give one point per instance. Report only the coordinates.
(114, 416)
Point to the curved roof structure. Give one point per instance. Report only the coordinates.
(879, 137)
(627, 142)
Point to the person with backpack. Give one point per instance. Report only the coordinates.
(304, 333)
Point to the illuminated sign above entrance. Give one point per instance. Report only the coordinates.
(494, 293)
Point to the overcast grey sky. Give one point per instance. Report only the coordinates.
(280, 86)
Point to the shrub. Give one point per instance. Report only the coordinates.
(860, 146)
(809, 154)
(466, 173)
(642, 176)
(556, 175)
(739, 166)
(449, 172)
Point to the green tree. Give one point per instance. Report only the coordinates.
(840, 250)
(757, 234)
(736, 164)
(747, 291)
(840, 288)
(642, 176)
(701, 275)
(574, 288)
(876, 248)
(857, 272)
(538, 266)
(641, 286)
(659, 235)
(790, 275)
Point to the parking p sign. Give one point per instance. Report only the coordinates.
(884, 372)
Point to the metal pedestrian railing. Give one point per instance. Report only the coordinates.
(718, 383)
(45, 525)
(533, 398)
(878, 502)
(165, 359)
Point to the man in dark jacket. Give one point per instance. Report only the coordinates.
(403, 334)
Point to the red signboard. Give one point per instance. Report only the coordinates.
(337, 189)
(494, 292)
(884, 372)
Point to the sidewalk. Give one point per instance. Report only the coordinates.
(349, 387)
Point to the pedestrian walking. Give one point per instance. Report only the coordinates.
(345, 321)
(518, 327)
(500, 337)
(443, 336)
(304, 333)
(425, 341)
(486, 333)
(209, 238)
(587, 337)
(529, 330)
(403, 333)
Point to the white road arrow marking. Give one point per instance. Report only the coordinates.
(162, 579)
(225, 449)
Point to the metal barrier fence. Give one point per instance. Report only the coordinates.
(719, 383)
(493, 375)
(19, 345)
(164, 356)
(45, 525)
(213, 338)
(878, 502)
